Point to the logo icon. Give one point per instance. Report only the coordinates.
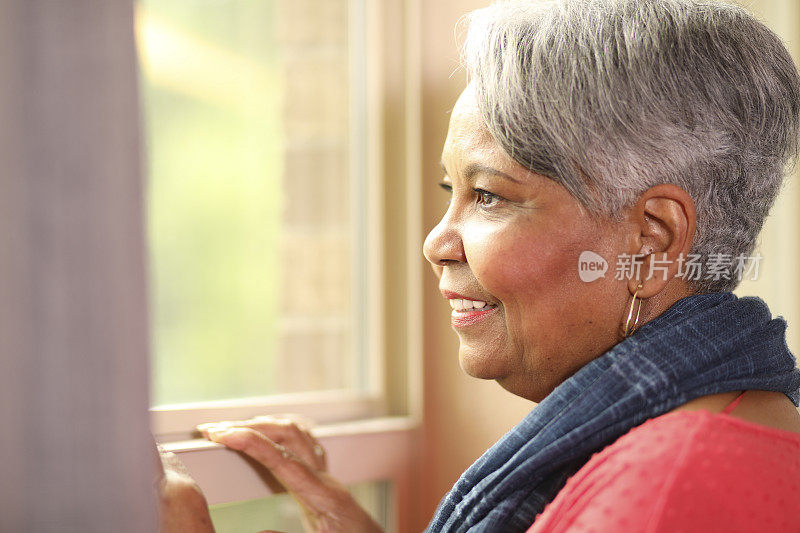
(591, 267)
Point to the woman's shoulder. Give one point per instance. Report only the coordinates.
(689, 471)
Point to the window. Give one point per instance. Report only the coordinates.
(255, 198)
(280, 136)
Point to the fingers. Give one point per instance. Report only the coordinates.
(171, 463)
(308, 485)
(266, 422)
(290, 432)
(167, 463)
(279, 426)
(327, 504)
(182, 506)
(276, 457)
(158, 466)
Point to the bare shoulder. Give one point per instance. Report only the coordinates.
(770, 409)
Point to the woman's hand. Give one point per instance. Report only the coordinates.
(287, 449)
(182, 507)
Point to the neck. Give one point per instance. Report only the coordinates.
(654, 306)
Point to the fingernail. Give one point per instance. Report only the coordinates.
(215, 433)
(208, 428)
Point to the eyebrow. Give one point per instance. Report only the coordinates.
(478, 168)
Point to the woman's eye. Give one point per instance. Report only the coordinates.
(485, 198)
(449, 189)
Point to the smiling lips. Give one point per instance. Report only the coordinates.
(466, 311)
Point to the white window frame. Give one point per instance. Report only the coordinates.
(370, 436)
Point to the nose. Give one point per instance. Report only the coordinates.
(443, 245)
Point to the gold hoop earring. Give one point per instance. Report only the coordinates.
(627, 331)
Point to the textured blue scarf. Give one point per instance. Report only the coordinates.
(704, 344)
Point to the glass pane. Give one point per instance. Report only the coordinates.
(250, 204)
(281, 513)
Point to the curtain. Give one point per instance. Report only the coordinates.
(74, 449)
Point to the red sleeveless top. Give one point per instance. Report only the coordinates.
(688, 471)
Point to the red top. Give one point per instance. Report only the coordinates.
(688, 471)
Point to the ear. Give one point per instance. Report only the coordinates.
(664, 221)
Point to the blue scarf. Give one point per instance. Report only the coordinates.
(704, 344)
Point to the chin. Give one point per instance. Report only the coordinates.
(530, 391)
(479, 364)
(485, 365)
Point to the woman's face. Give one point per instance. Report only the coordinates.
(511, 240)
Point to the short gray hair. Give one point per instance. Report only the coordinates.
(612, 97)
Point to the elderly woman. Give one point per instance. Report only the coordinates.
(611, 163)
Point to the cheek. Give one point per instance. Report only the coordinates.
(514, 267)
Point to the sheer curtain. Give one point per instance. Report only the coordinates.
(74, 450)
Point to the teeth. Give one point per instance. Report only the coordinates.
(466, 305)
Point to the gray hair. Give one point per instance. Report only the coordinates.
(612, 97)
